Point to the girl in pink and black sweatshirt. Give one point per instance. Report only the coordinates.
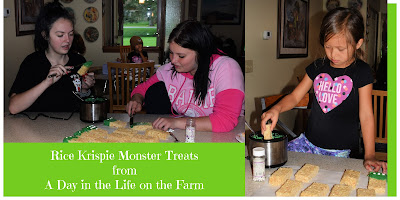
(200, 81)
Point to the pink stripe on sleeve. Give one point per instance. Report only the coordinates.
(228, 106)
(142, 88)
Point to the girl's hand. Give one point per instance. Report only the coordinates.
(272, 115)
(56, 72)
(375, 165)
(166, 123)
(135, 104)
(88, 81)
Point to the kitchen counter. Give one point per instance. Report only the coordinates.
(333, 165)
(19, 128)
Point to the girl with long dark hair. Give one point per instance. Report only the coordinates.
(199, 82)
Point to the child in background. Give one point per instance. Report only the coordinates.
(137, 55)
(342, 83)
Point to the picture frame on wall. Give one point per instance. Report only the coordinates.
(293, 19)
(221, 12)
(26, 12)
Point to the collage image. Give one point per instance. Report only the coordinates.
(189, 98)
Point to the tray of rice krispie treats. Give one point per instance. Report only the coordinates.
(117, 131)
(310, 180)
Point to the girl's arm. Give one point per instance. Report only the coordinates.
(227, 109)
(138, 94)
(202, 123)
(144, 58)
(287, 103)
(367, 128)
(22, 101)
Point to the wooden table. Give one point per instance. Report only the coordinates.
(18, 128)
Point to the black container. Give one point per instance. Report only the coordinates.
(275, 149)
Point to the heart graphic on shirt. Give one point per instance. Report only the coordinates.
(331, 93)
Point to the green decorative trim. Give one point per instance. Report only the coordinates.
(87, 64)
(67, 139)
(107, 121)
(95, 99)
(378, 175)
(275, 135)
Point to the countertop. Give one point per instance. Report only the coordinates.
(326, 164)
(19, 128)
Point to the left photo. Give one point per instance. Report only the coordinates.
(123, 71)
(123, 98)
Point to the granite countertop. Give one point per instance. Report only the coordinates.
(19, 128)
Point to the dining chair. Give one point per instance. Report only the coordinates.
(124, 51)
(266, 102)
(122, 78)
(379, 102)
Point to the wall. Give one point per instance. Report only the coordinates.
(270, 75)
(235, 32)
(232, 31)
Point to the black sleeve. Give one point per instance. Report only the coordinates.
(364, 73)
(311, 69)
(31, 72)
(129, 57)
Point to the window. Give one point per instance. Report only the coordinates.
(124, 18)
(140, 19)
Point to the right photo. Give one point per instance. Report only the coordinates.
(316, 98)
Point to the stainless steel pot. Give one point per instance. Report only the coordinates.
(275, 149)
(94, 109)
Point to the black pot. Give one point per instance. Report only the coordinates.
(275, 149)
(94, 109)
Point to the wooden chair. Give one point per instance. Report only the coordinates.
(269, 101)
(124, 51)
(379, 102)
(122, 78)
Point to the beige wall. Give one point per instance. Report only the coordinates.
(17, 48)
(270, 75)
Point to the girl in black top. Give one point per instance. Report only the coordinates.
(342, 83)
(34, 89)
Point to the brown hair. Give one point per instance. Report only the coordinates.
(348, 21)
